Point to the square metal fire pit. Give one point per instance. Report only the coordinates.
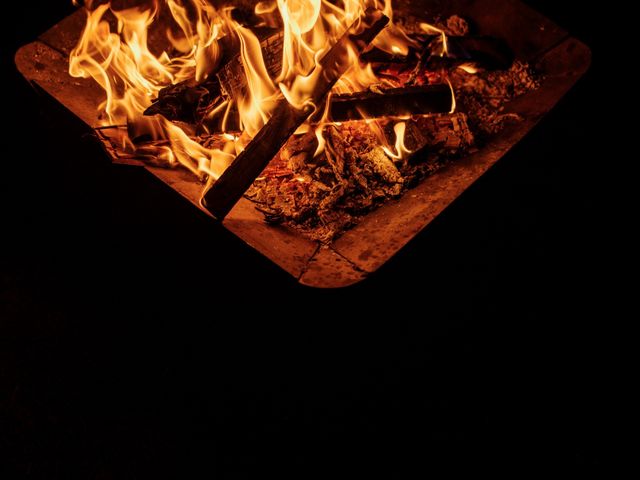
(358, 252)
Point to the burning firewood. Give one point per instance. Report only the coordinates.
(391, 102)
(187, 103)
(230, 89)
(191, 102)
(286, 118)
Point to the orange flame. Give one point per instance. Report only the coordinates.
(114, 50)
(432, 30)
(469, 68)
(401, 151)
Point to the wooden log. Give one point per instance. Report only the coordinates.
(189, 101)
(286, 119)
(393, 102)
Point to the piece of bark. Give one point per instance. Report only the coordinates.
(286, 119)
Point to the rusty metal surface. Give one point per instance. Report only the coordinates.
(47, 68)
(327, 269)
(283, 245)
(382, 232)
(64, 35)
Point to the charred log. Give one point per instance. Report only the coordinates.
(392, 102)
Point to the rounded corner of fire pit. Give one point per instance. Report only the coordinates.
(23, 58)
(328, 269)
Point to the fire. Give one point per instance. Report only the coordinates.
(401, 150)
(115, 51)
(261, 94)
(431, 30)
(469, 68)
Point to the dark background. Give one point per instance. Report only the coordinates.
(139, 340)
